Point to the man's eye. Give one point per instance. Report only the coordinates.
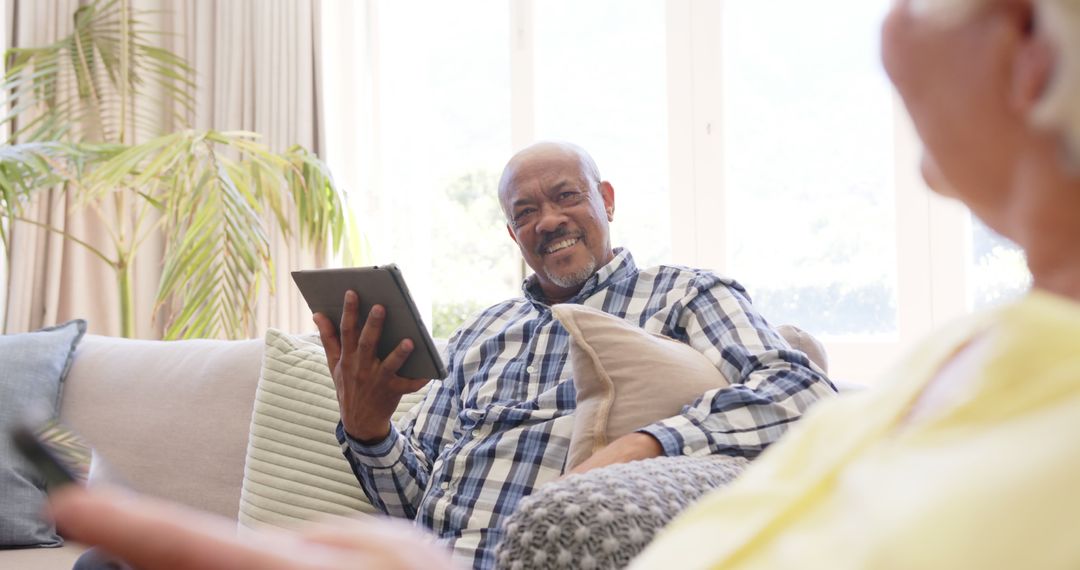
(567, 195)
(522, 213)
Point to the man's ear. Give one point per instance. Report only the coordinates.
(1033, 65)
(511, 232)
(607, 192)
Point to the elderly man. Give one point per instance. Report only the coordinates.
(499, 425)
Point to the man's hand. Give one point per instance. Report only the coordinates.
(150, 534)
(368, 389)
(630, 447)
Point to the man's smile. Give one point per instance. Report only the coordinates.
(561, 245)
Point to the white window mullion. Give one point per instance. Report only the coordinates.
(914, 283)
(680, 79)
(950, 237)
(522, 80)
(695, 134)
(522, 74)
(708, 135)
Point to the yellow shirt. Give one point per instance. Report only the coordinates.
(991, 479)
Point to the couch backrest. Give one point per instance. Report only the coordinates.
(170, 417)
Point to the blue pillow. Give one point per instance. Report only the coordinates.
(32, 367)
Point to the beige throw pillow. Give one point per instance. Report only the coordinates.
(626, 378)
(295, 469)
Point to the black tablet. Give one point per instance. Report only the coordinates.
(324, 290)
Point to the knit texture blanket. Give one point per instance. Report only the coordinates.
(602, 519)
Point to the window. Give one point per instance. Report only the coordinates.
(604, 87)
(738, 137)
(808, 165)
(432, 132)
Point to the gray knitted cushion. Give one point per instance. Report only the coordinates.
(602, 519)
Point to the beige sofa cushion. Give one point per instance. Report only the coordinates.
(170, 417)
(295, 469)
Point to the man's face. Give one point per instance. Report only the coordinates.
(954, 79)
(559, 218)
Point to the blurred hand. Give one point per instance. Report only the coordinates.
(630, 447)
(368, 389)
(155, 535)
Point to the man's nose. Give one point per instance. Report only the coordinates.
(551, 218)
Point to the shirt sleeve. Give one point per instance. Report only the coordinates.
(772, 384)
(394, 473)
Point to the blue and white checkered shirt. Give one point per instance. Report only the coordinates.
(499, 425)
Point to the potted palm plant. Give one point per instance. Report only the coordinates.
(86, 120)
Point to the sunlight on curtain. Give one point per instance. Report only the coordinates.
(418, 132)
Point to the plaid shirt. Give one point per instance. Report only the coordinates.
(499, 425)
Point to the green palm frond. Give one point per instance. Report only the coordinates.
(84, 85)
(215, 198)
(212, 191)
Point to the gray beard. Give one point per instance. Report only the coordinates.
(575, 279)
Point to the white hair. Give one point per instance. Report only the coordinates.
(1059, 108)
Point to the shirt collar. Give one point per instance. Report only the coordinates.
(620, 266)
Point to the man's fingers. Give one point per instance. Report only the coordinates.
(349, 315)
(409, 385)
(396, 359)
(151, 534)
(369, 335)
(331, 343)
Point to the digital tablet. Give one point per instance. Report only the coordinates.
(324, 290)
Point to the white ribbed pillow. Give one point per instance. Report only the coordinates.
(294, 470)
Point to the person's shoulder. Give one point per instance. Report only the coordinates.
(695, 277)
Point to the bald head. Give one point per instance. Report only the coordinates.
(537, 155)
(557, 211)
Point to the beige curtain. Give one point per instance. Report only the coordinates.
(51, 280)
(256, 64)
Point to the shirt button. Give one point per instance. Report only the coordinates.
(444, 485)
(686, 450)
(476, 433)
(531, 370)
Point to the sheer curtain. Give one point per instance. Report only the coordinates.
(256, 65)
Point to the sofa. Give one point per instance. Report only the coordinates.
(191, 421)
